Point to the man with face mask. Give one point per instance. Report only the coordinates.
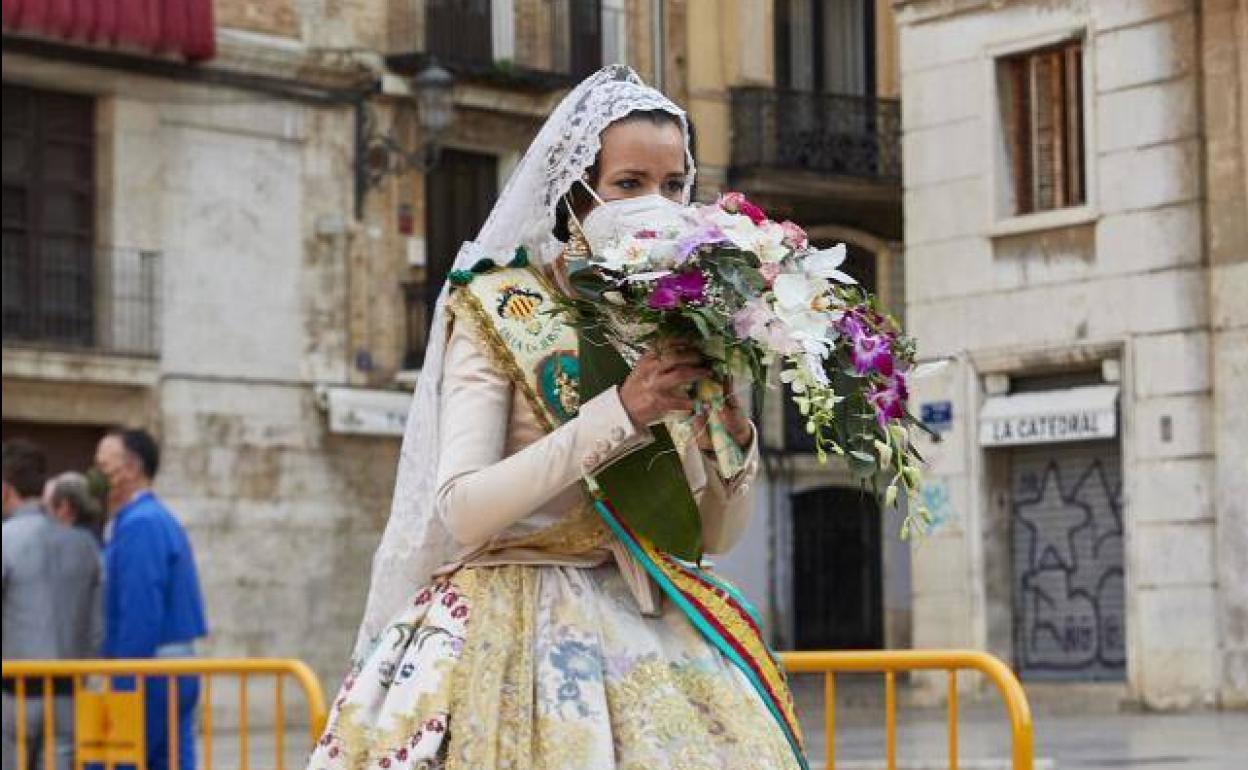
(152, 602)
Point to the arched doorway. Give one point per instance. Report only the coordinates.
(837, 571)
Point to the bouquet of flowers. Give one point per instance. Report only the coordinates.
(757, 296)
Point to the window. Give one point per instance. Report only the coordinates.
(586, 33)
(825, 46)
(614, 32)
(1042, 119)
(459, 193)
(460, 32)
(49, 216)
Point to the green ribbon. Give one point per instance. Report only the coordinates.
(647, 488)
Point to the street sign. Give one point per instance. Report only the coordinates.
(937, 415)
(1043, 417)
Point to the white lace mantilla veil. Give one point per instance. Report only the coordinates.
(415, 542)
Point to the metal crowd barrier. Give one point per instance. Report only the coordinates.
(109, 724)
(889, 662)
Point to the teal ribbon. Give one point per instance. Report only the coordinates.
(713, 636)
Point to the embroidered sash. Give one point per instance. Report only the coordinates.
(538, 352)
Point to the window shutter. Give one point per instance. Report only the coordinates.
(1046, 172)
(1074, 124)
(1018, 132)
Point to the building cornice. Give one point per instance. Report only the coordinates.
(254, 53)
(923, 11)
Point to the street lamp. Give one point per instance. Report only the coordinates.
(434, 88)
(381, 154)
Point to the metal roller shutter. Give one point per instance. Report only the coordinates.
(1066, 522)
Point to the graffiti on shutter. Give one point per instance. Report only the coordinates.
(1066, 518)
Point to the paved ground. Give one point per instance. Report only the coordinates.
(1064, 741)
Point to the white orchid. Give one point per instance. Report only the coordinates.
(814, 364)
(650, 275)
(824, 264)
(630, 253)
(802, 302)
(765, 240)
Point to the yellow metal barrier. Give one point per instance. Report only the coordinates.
(109, 725)
(889, 662)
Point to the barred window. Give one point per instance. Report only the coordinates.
(1042, 117)
(49, 216)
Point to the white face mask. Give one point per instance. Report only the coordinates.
(612, 221)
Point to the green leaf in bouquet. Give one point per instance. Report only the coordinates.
(861, 464)
(746, 281)
(648, 487)
(699, 320)
(588, 283)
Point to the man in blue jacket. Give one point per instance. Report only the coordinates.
(152, 603)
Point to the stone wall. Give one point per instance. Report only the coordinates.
(1126, 273)
(1224, 98)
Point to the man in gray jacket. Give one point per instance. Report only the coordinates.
(52, 577)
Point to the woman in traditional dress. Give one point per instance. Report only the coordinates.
(514, 619)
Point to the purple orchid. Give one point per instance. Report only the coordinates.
(868, 352)
(663, 299)
(705, 235)
(889, 399)
(872, 353)
(671, 290)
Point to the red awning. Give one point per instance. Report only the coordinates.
(180, 27)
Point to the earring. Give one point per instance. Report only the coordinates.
(578, 244)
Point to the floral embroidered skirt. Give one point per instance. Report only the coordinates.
(531, 667)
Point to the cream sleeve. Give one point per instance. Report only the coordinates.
(481, 492)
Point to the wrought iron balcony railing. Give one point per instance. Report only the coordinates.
(69, 297)
(853, 136)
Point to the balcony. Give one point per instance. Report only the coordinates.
(851, 136)
(98, 301)
(536, 46)
(824, 149)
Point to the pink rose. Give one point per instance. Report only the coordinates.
(755, 214)
(731, 202)
(769, 270)
(794, 236)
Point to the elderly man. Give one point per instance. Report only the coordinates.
(68, 498)
(152, 602)
(51, 605)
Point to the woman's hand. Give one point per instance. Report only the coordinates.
(734, 418)
(659, 382)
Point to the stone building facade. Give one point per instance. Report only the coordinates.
(1076, 230)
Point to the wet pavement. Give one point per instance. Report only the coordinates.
(1203, 740)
